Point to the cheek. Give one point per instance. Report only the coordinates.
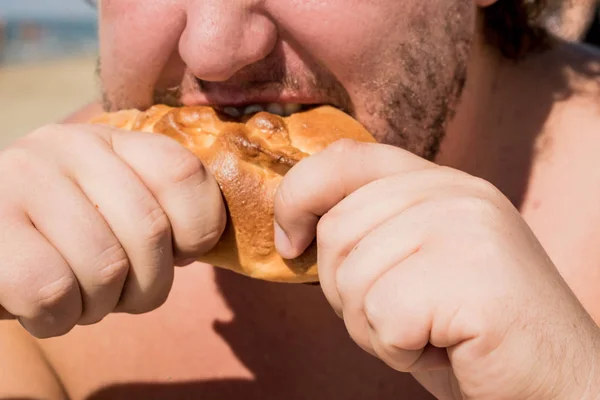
(136, 41)
(341, 34)
(358, 41)
(361, 37)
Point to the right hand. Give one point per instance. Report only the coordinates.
(93, 220)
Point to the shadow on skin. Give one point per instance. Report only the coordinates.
(545, 83)
(18, 398)
(295, 347)
(226, 389)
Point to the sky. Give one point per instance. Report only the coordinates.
(70, 9)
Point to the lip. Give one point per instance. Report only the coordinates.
(236, 98)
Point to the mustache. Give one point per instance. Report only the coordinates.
(272, 74)
(268, 75)
(254, 87)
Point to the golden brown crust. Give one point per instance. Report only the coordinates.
(248, 159)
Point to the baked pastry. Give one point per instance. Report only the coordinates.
(248, 158)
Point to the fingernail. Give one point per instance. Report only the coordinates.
(282, 242)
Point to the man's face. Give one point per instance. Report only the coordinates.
(395, 65)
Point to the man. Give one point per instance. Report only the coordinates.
(431, 269)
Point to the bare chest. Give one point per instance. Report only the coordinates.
(221, 336)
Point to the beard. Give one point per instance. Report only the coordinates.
(406, 99)
(413, 104)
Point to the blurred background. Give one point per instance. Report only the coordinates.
(48, 56)
(48, 52)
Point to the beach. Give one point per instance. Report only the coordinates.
(35, 94)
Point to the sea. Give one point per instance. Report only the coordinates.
(36, 40)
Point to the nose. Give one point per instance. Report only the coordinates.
(223, 36)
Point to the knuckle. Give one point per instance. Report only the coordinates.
(19, 159)
(69, 136)
(443, 173)
(345, 284)
(388, 335)
(53, 295)
(158, 300)
(328, 229)
(483, 188)
(52, 133)
(88, 319)
(473, 184)
(50, 328)
(344, 146)
(373, 311)
(112, 265)
(149, 303)
(156, 225)
(47, 130)
(389, 338)
(475, 207)
(204, 231)
(188, 168)
(209, 237)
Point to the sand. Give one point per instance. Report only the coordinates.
(37, 94)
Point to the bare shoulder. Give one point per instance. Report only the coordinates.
(571, 74)
(572, 130)
(568, 72)
(563, 201)
(24, 372)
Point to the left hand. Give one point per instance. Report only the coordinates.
(436, 273)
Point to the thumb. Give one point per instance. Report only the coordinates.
(319, 182)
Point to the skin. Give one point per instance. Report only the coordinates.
(279, 60)
(571, 19)
(401, 286)
(414, 291)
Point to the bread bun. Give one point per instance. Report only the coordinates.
(248, 158)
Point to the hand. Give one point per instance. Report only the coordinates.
(435, 272)
(92, 221)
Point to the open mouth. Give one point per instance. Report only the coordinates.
(281, 109)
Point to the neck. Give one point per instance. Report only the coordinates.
(495, 130)
(475, 112)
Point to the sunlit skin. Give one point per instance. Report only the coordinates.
(572, 19)
(461, 250)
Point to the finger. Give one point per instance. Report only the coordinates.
(383, 249)
(428, 358)
(321, 181)
(4, 315)
(403, 318)
(73, 225)
(413, 316)
(36, 284)
(129, 208)
(441, 383)
(372, 205)
(189, 195)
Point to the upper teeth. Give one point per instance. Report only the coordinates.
(283, 110)
(232, 111)
(291, 108)
(254, 108)
(276, 108)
